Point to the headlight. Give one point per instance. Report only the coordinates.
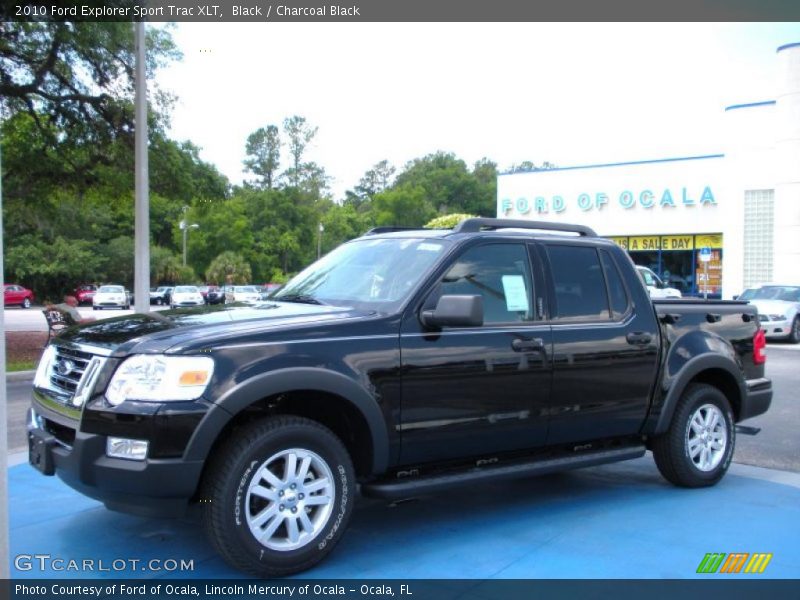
(159, 378)
(42, 377)
(778, 318)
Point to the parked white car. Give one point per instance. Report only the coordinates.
(111, 296)
(656, 287)
(778, 310)
(242, 293)
(186, 295)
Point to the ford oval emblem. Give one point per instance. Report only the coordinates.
(65, 367)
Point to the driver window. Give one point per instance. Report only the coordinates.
(499, 273)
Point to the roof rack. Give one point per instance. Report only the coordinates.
(478, 224)
(390, 229)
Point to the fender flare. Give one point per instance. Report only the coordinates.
(689, 371)
(280, 381)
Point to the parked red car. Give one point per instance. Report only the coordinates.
(17, 295)
(84, 293)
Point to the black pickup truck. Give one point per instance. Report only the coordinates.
(402, 362)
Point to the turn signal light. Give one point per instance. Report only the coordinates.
(759, 347)
(193, 378)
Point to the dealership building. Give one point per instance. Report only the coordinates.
(740, 208)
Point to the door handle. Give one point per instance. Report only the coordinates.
(638, 338)
(523, 345)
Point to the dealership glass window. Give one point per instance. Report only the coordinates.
(676, 260)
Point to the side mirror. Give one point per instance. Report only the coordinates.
(736, 297)
(454, 311)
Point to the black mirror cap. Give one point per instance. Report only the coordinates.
(454, 311)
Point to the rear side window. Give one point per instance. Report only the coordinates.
(579, 284)
(616, 289)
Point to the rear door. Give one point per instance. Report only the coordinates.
(605, 349)
(477, 391)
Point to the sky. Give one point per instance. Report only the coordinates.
(570, 94)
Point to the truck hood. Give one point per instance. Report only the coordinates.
(157, 331)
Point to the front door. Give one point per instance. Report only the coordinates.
(477, 391)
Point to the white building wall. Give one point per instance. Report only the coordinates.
(787, 189)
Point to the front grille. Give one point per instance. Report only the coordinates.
(67, 369)
(72, 374)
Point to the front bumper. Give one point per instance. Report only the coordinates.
(757, 399)
(161, 485)
(777, 329)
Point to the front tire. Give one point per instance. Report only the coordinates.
(278, 495)
(697, 449)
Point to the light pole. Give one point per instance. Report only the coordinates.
(185, 227)
(319, 240)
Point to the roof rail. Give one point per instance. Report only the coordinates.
(390, 229)
(478, 224)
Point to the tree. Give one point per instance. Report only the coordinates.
(80, 75)
(300, 134)
(263, 155)
(375, 180)
(446, 181)
(229, 267)
(527, 166)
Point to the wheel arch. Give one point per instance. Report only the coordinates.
(330, 398)
(712, 369)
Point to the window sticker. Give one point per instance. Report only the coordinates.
(429, 247)
(516, 295)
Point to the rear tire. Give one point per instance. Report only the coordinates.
(26, 303)
(278, 495)
(697, 449)
(794, 336)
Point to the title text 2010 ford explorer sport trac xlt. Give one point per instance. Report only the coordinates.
(403, 361)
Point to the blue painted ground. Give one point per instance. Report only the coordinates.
(616, 521)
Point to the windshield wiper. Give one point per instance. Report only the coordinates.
(300, 298)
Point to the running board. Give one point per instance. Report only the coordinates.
(403, 488)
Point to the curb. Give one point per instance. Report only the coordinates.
(20, 375)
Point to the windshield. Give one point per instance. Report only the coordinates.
(244, 289)
(371, 274)
(775, 292)
(111, 289)
(185, 289)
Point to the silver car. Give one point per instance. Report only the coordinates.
(778, 310)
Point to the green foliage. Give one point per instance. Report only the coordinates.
(403, 206)
(228, 267)
(449, 186)
(52, 269)
(80, 75)
(447, 221)
(165, 266)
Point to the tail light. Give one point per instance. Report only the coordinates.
(759, 347)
